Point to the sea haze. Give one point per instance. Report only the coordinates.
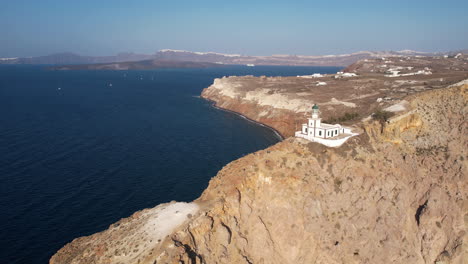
(81, 149)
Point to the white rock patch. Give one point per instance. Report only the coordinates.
(168, 218)
(401, 106)
(460, 83)
(226, 88)
(277, 100)
(334, 101)
(159, 222)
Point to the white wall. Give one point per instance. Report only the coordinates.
(326, 142)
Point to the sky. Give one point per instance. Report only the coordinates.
(107, 27)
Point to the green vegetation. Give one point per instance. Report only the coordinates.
(382, 116)
(345, 117)
(337, 182)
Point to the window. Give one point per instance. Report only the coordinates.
(320, 133)
(336, 132)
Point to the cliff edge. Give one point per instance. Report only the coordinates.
(396, 193)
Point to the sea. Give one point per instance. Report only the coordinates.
(80, 150)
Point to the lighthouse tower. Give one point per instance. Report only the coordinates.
(315, 120)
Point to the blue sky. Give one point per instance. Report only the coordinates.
(106, 27)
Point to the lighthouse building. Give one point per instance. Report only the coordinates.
(316, 129)
(326, 134)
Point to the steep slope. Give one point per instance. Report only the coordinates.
(396, 193)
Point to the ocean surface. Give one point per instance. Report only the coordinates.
(80, 150)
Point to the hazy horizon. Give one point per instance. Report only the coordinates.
(38, 28)
(227, 53)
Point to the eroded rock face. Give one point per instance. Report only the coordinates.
(281, 111)
(396, 193)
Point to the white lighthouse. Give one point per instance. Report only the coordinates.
(330, 135)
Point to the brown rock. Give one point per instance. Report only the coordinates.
(394, 194)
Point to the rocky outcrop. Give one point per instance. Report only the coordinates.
(279, 111)
(396, 193)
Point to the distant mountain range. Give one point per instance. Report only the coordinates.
(219, 58)
(138, 65)
(296, 60)
(72, 58)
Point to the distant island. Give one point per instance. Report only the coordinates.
(138, 65)
(221, 58)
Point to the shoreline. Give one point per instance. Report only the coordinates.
(276, 132)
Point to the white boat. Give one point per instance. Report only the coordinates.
(250, 65)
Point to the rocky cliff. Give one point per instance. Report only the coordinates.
(397, 193)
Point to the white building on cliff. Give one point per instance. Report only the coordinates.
(329, 135)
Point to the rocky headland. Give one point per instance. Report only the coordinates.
(397, 193)
(284, 102)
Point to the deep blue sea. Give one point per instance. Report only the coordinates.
(81, 149)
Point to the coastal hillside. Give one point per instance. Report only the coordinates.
(284, 59)
(284, 102)
(395, 193)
